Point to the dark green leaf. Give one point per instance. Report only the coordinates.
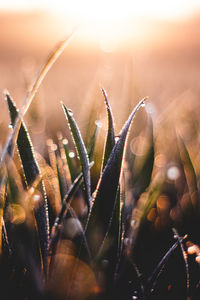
(142, 176)
(106, 192)
(32, 171)
(93, 140)
(66, 200)
(70, 163)
(81, 151)
(110, 140)
(189, 171)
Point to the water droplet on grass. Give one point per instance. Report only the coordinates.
(65, 141)
(150, 108)
(98, 123)
(36, 198)
(117, 137)
(54, 147)
(173, 173)
(71, 154)
(70, 112)
(105, 263)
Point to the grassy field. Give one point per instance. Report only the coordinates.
(99, 195)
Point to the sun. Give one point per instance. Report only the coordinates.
(111, 22)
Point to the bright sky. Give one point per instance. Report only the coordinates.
(86, 8)
(107, 20)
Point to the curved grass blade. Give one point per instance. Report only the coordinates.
(27, 102)
(2, 204)
(66, 200)
(51, 186)
(185, 258)
(114, 227)
(65, 205)
(189, 171)
(60, 176)
(70, 164)
(79, 238)
(143, 175)
(91, 146)
(81, 151)
(106, 192)
(32, 171)
(110, 140)
(152, 280)
(154, 192)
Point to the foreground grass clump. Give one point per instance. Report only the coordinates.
(127, 240)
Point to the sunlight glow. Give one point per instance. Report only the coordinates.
(108, 21)
(111, 22)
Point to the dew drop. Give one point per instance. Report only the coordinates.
(133, 223)
(10, 126)
(98, 123)
(73, 228)
(150, 109)
(31, 190)
(36, 198)
(49, 142)
(71, 154)
(105, 263)
(127, 242)
(117, 138)
(173, 173)
(54, 147)
(70, 112)
(65, 142)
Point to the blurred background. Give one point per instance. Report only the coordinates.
(131, 48)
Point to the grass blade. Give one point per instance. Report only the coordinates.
(2, 204)
(66, 201)
(70, 162)
(32, 171)
(27, 102)
(143, 174)
(185, 258)
(81, 151)
(110, 140)
(106, 192)
(189, 171)
(152, 280)
(91, 146)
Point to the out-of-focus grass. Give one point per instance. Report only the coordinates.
(112, 227)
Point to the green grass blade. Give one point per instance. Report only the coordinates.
(143, 175)
(2, 205)
(32, 171)
(185, 259)
(91, 146)
(110, 140)
(189, 171)
(70, 161)
(25, 148)
(106, 192)
(66, 200)
(153, 278)
(81, 151)
(53, 56)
